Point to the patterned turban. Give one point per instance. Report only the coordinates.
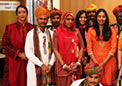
(41, 11)
(55, 11)
(93, 69)
(91, 7)
(117, 9)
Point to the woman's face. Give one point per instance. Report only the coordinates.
(82, 19)
(22, 14)
(69, 21)
(101, 18)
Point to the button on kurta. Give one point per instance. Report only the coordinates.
(72, 40)
(72, 50)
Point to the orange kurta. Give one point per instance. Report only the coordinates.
(120, 41)
(101, 51)
(120, 48)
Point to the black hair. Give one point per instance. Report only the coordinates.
(21, 6)
(54, 14)
(106, 33)
(78, 16)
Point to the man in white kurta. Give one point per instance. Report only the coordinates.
(45, 63)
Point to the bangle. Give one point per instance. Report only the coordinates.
(78, 62)
(64, 65)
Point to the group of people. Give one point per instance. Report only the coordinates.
(80, 51)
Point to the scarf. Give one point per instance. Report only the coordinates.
(41, 80)
(68, 44)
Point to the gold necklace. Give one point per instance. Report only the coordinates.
(101, 43)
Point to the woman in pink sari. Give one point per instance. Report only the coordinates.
(68, 49)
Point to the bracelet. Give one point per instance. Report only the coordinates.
(64, 65)
(78, 62)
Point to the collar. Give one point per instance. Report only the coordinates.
(18, 23)
(38, 30)
(52, 28)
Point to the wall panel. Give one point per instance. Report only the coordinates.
(76, 5)
(8, 17)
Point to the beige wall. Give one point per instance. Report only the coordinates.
(8, 17)
(76, 5)
(56, 4)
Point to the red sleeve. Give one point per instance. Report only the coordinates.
(7, 47)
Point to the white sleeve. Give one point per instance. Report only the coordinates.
(52, 60)
(77, 82)
(29, 49)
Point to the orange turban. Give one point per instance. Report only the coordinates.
(93, 69)
(117, 9)
(91, 7)
(41, 11)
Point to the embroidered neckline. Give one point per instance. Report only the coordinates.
(44, 44)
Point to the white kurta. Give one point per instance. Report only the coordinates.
(32, 59)
(77, 82)
(52, 31)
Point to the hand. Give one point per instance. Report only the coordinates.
(102, 64)
(22, 55)
(49, 68)
(85, 60)
(44, 69)
(68, 68)
(74, 66)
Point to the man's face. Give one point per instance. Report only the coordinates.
(42, 21)
(56, 20)
(93, 80)
(119, 18)
(91, 14)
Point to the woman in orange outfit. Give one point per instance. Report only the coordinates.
(102, 44)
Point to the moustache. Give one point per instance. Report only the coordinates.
(56, 22)
(42, 23)
(92, 82)
(91, 16)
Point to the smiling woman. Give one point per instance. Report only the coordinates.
(68, 49)
(102, 44)
(13, 42)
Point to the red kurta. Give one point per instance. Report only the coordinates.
(13, 42)
(66, 42)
